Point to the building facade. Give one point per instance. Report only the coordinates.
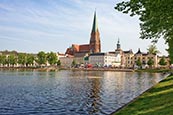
(102, 59)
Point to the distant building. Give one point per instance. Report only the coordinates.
(66, 61)
(94, 45)
(144, 58)
(127, 59)
(102, 59)
(60, 55)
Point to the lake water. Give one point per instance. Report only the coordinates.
(70, 92)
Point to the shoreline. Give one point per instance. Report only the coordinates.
(72, 69)
(103, 69)
(132, 103)
(55, 68)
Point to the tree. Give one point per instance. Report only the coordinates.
(139, 63)
(150, 62)
(2, 59)
(58, 63)
(52, 58)
(156, 18)
(22, 59)
(29, 59)
(162, 61)
(41, 58)
(153, 49)
(73, 63)
(12, 60)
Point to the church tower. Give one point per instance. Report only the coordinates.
(118, 44)
(118, 50)
(94, 45)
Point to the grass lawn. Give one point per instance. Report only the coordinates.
(156, 101)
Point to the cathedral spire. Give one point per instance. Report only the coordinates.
(95, 45)
(95, 25)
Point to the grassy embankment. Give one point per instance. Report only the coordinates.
(156, 101)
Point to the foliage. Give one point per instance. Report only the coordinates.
(162, 61)
(22, 58)
(139, 63)
(156, 18)
(51, 58)
(150, 62)
(58, 63)
(170, 49)
(41, 58)
(29, 59)
(153, 49)
(156, 101)
(2, 59)
(12, 60)
(73, 63)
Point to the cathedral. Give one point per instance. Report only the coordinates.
(94, 45)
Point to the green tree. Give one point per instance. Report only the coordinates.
(52, 58)
(2, 59)
(150, 62)
(156, 18)
(139, 63)
(41, 58)
(7, 61)
(153, 49)
(12, 60)
(30, 59)
(73, 64)
(58, 63)
(162, 61)
(22, 59)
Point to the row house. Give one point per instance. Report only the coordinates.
(129, 59)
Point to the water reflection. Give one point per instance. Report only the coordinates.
(70, 92)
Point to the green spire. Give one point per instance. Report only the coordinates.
(95, 26)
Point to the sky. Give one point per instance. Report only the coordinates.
(53, 25)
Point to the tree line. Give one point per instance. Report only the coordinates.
(29, 60)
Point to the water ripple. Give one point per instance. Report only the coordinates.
(70, 92)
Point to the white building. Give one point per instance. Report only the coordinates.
(102, 59)
(117, 62)
(66, 61)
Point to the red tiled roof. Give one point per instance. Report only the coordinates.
(84, 48)
(77, 49)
